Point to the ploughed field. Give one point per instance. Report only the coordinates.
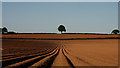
(56, 36)
(59, 53)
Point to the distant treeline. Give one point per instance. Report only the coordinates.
(61, 28)
(36, 33)
(62, 33)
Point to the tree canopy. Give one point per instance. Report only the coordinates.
(4, 30)
(115, 31)
(61, 28)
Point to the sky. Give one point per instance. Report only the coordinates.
(0, 14)
(82, 17)
(60, 0)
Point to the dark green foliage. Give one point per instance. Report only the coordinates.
(11, 32)
(61, 28)
(116, 31)
(4, 30)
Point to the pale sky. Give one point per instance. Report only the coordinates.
(101, 17)
(60, 0)
(0, 14)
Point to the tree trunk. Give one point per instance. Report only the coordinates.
(61, 32)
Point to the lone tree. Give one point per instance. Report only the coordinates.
(4, 30)
(116, 31)
(61, 28)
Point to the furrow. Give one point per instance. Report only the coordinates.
(46, 62)
(21, 54)
(60, 60)
(30, 61)
(68, 59)
(22, 58)
(76, 60)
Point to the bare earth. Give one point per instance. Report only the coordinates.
(53, 53)
(58, 36)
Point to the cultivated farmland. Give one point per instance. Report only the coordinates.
(59, 53)
(56, 36)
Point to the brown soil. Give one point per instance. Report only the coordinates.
(53, 36)
(52, 53)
